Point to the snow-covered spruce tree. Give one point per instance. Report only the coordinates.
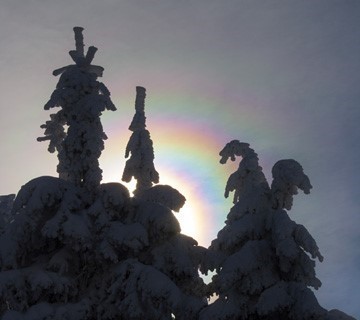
(159, 279)
(51, 256)
(265, 260)
(82, 99)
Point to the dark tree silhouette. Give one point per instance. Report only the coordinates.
(265, 265)
(72, 248)
(140, 165)
(77, 249)
(82, 99)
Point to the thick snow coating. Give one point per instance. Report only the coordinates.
(265, 266)
(82, 99)
(288, 176)
(72, 248)
(65, 257)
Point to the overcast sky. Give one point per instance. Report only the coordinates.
(283, 76)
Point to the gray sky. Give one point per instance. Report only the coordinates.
(281, 75)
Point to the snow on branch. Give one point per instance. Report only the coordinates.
(84, 62)
(292, 296)
(165, 195)
(249, 175)
(288, 177)
(137, 291)
(304, 239)
(54, 131)
(232, 149)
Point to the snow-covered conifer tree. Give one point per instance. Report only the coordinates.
(265, 265)
(162, 279)
(54, 254)
(82, 99)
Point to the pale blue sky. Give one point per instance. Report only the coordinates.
(281, 75)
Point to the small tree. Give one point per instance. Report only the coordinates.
(264, 268)
(82, 99)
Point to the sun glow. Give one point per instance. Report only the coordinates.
(190, 215)
(186, 158)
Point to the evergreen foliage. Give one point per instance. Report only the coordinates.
(73, 248)
(82, 99)
(77, 249)
(265, 261)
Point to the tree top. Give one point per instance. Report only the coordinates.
(81, 60)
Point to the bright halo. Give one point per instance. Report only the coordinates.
(189, 216)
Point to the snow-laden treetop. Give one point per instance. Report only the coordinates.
(139, 149)
(82, 61)
(138, 122)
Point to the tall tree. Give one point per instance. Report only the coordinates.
(265, 265)
(75, 131)
(61, 244)
(54, 253)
